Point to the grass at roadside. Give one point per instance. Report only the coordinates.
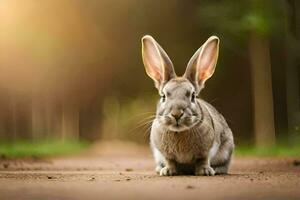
(280, 150)
(54, 147)
(39, 148)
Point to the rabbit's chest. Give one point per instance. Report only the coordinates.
(182, 147)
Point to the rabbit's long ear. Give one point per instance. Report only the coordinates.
(157, 63)
(202, 65)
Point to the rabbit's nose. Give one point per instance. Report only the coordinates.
(177, 114)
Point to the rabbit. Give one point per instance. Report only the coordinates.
(188, 135)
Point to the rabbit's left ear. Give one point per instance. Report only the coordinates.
(156, 61)
(202, 65)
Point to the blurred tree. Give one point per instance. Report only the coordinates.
(60, 59)
(259, 27)
(292, 35)
(252, 21)
(53, 64)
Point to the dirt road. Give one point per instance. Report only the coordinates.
(127, 173)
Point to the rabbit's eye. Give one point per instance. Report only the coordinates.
(193, 97)
(163, 98)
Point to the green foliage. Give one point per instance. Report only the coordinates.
(257, 22)
(240, 18)
(50, 147)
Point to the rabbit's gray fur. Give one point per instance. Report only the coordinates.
(188, 135)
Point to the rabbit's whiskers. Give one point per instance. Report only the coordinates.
(144, 125)
(137, 116)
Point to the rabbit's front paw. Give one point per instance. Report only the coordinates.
(167, 171)
(158, 169)
(205, 171)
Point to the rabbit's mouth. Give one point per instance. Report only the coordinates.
(181, 125)
(178, 128)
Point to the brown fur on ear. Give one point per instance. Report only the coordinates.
(157, 63)
(203, 63)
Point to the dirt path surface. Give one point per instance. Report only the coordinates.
(127, 173)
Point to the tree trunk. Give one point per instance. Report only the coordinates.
(37, 119)
(293, 72)
(264, 130)
(70, 121)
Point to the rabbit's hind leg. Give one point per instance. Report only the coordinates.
(221, 160)
(222, 169)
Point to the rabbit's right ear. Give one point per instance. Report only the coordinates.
(156, 61)
(203, 63)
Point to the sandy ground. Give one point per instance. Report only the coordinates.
(126, 172)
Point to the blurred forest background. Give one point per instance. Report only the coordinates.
(72, 69)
